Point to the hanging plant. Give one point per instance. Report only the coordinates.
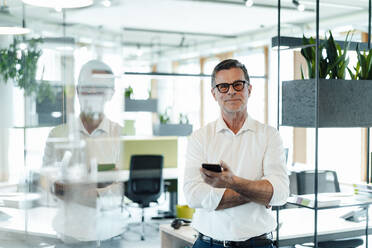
(128, 92)
(20, 65)
(332, 64)
(164, 117)
(363, 69)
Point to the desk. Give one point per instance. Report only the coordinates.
(53, 174)
(170, 176)
(39, 221)
(297, 228)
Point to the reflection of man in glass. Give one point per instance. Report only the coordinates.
(95, 88)
(81, 217)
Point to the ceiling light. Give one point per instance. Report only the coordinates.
(106, 3)
(64, 4)
(9, 30)
(249, 3)
(299, 6)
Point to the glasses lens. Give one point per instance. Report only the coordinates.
(238, 86)
(223, 88)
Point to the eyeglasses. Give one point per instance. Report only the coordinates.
(237, 85)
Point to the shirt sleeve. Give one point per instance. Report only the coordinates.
(274, 169)
(198, 194)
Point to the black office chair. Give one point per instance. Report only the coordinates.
(303, 183)
(145, 183)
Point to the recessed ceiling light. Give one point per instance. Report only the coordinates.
(301, 7)
(64, 4)
(5, 30)
(106, 3)
(249, 3)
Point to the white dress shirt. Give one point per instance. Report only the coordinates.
(254, 153)
(76, 222)
(102, 144)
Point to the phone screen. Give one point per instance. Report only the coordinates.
(212, 167)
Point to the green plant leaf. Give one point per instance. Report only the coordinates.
(352, 75)
(302, 73)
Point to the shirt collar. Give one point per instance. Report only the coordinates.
(103, 126)
(249, 125)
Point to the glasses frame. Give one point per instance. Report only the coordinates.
(232, 84)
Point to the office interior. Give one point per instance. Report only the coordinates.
(161, 54)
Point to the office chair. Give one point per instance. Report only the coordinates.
(145, 183)
(303, 183)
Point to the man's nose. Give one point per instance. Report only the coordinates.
(231, 90)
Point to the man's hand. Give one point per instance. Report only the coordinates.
(238, 190)
(222, 179)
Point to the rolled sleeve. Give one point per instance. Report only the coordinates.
(274, 169)
(198, 194)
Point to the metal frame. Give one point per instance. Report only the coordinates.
(166, 74)
(278, 42)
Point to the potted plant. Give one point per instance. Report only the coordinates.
(165, 128)
(137, 105)
(342, 103)
(18, 63)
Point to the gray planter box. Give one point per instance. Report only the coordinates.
(46, 109)
(172, 129)
(149, 105)
(342, 103)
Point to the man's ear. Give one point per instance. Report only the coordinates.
(214, 94)
(249, 90)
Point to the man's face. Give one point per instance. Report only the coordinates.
(232, 101)
(92, 99)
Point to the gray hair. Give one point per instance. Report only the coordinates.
(228, 64)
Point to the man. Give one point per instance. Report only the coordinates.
(95, 87)
(74, 151)
(233, 206)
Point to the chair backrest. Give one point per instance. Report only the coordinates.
(145, 183)
(304, 180)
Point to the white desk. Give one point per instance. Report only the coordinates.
(53, 174)
(297, 227)
(39, 221)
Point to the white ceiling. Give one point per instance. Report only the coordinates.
(207, 20)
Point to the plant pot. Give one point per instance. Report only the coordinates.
(342, 103)
(52, 112)
(172, 129)
(149, 105)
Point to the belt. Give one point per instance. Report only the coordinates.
(262, 240)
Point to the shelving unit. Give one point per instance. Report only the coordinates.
(314, 116)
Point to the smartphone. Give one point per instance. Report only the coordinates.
(212, 167)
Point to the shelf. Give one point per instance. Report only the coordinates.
(133, 105)
(148, 137)
(172, 129)
(287, 42)
(352, 201)
(31, 126)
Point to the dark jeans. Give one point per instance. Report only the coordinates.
(202, 244)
